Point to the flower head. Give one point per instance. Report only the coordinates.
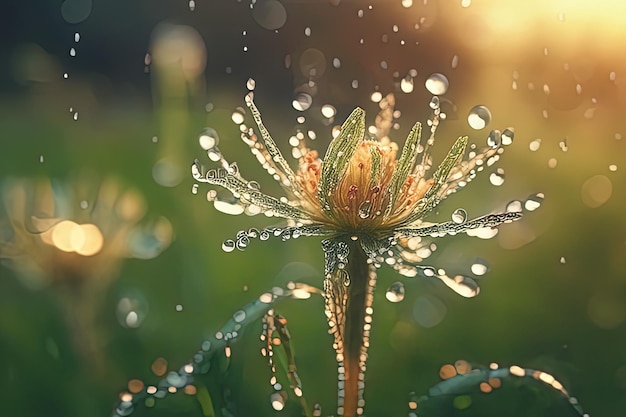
(361, 191)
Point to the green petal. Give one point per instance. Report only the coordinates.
(405, 164)
(431, 198)
(338, 156)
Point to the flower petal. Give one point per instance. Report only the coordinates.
(338, 155)
(405, 165)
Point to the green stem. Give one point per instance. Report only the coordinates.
(349, 295)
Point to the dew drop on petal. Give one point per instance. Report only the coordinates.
(277, 401)
(365, 209)
(395, 292)
(479, 116)
(239, 316)
(208, 138)
(514, 206)
(459, 216)
(238, 116)
(533, 202)
(437, 84)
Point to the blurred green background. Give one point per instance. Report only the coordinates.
(144, 78)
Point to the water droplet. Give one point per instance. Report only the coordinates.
(238, 116)
(365, 209)
(459, 216)
(434, 103)
(497, 178)
(355, 84)
(376, 96)
(479, 267)
(192, 5)
(131, 310)
(533, 202)
(406, 84)
(336, 62)
(239, 316)
(277, 400)
(251, 84)
(269, 14)
(307, 31)
(437, 84)
(535, 145)
(466, 3)
(562, 260)
(428, 312)
(612, 167)
(479, 116)
(507, 136)
(407, 3)
(302, 101)
(514, 206)
(208, 138)
(72, 51)
(328, 111)
(455, 62)
(395, 292)
(179, 307)
(228, 245)
(494, 139)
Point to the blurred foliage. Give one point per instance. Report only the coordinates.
(555, 298)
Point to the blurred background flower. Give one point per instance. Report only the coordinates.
(71, 237)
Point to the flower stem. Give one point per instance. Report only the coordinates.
(354, 321)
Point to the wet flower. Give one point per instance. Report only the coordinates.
(368, 199)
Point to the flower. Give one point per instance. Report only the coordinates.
(55, 232)
(368, 204)
(71, 237)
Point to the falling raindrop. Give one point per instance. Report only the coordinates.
(208, 138)
(336, 62)
(535, 145)
(376, 96)
(459, 216)
(395, 292)
(479, 116)
(455, 62)
(407, 3)
(251, 84)
(307, 31)
(302, 101)
(406, 84)
(533, 202)
(41, 159)
(494, 139)
(437, 84)
(479, 267)
(562, 260)
(497, 178)
(194, 189)
(328, 111)
(72, 51)
(228, 245)
(507, 136)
